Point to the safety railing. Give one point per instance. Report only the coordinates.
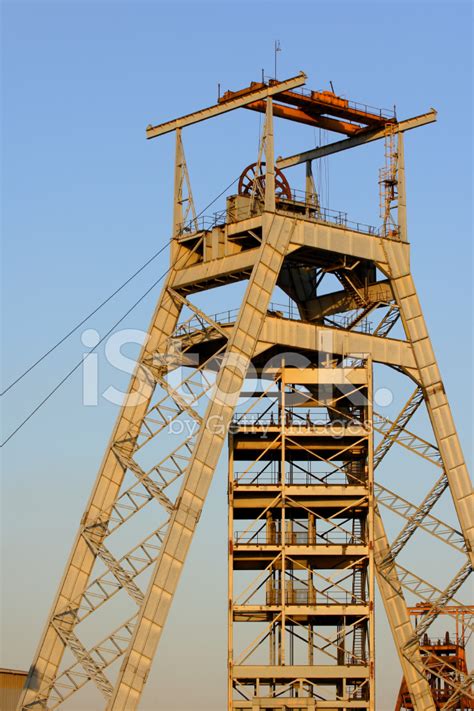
(310, 596)
(389, 114)
(269, 420)
(262, 537)
(293, 418)
(205, 223)
(285, 311)
(307, 205)
(363, 326)
(192, 325)
(288, 311)
(299, 203)
(295, 478)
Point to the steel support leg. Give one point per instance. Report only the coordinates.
(107, 486)
(435, 396)
(399, 620)
(240, 349)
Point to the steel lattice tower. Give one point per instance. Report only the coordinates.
(307, 539)
(301, 477)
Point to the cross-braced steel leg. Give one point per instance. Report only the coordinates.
(435, 395)
(52, 646)
(399, 620)
(206, 453)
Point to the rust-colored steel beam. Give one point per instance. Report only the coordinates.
(322, 109)
(325, 102)
(302, 116)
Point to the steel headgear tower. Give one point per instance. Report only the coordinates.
(307, 541)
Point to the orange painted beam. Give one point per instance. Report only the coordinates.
(328, 103)
(293, 114)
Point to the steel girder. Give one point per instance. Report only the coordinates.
(434, 393)
(353, 141)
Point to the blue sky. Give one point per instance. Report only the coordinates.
(86, 200)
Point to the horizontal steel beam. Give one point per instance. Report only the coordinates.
(301, 116)
(310, 337)
(286, 704)
(353, 141)
(320, 672)
(340, 301)
(211, 111)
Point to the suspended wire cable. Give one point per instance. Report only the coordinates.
(84, 320)
(319, 186)
(79, 363)
(102, 304)
(218, 196)
(327, 173)
(106, 335)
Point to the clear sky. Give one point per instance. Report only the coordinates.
(86, 200)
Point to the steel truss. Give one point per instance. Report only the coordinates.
(304, 491)
(305, 513)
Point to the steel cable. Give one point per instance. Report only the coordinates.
(117, 323)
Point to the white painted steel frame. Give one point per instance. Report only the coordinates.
(252, 333)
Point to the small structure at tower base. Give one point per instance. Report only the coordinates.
(11, 684)
(446, 658)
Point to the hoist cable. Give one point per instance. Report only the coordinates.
(117, 323)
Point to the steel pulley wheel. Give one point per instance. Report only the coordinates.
(250, 180)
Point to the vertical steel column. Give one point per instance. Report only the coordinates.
(181, 176)
(178, 215)
(283, 535)
(269, 158)
(370, 533)
(230, 574)
(401, 185)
